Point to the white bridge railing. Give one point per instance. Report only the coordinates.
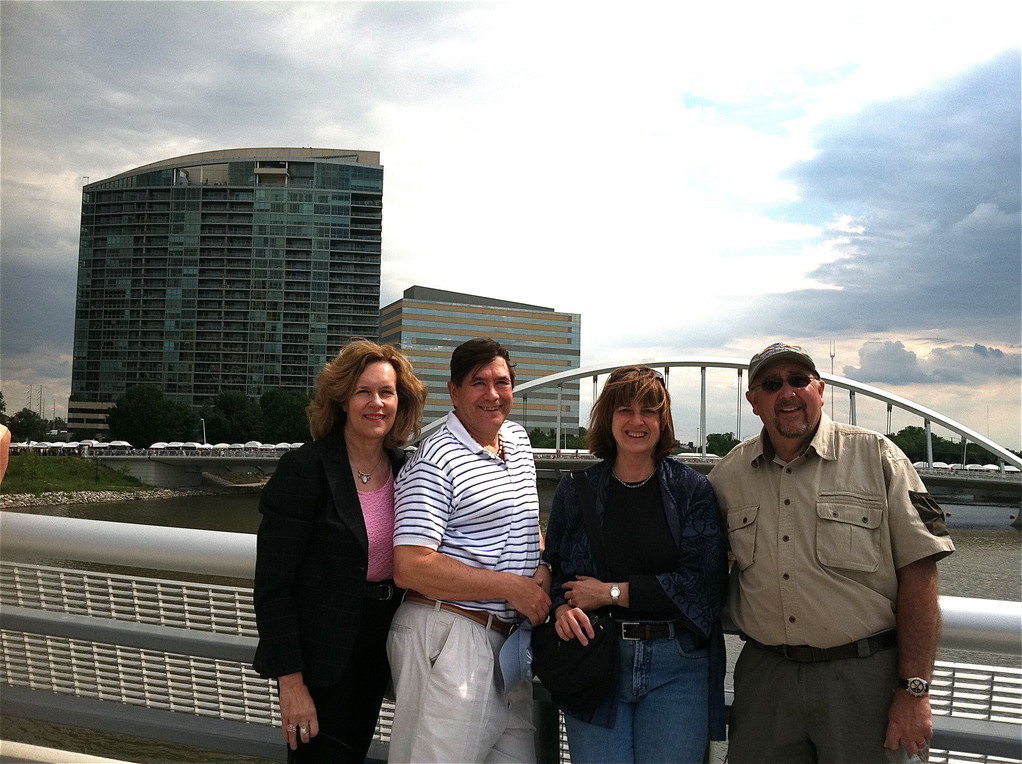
(169, 659)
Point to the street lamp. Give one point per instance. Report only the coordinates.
(203, 431)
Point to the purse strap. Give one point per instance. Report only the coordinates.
(593, 528)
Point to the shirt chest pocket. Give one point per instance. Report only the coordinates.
(741, 533)
(848, 532)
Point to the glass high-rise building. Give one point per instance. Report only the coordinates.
(429, 323)
(243, 269)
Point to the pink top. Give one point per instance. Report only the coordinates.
(378, 511)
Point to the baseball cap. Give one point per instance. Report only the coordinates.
(779, 351)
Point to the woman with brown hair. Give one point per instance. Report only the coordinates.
(324, 591)
(665, 586)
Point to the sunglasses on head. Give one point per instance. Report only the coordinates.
(642, 371)
(773, 384)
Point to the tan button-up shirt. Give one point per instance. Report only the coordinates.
(817, 542)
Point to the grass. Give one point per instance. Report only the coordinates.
(32, 473)
(241, 478)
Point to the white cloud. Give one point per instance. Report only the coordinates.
(627, 164)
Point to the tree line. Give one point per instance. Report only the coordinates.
(144, 415)
(27, 424)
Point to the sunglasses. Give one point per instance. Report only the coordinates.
(642, 371)
(773, 384)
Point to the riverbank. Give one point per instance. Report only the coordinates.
(52, 498)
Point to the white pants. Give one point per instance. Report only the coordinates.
(448, 708)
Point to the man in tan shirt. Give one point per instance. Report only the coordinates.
(834, 585)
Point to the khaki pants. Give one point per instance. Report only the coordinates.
(448, 707)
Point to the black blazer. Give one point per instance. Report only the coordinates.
(311, 562)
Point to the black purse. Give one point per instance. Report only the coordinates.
(580, 677)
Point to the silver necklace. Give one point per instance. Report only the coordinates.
(365, 477)
(634, 485)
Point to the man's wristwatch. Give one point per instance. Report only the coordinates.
(916, 686)
(615, 594)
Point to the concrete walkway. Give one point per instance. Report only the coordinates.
(21, 753)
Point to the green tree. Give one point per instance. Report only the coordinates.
(575, 441)
(27, 425)
(143, 416)
(720, 443)
(232, 417)
(912, 440)
(284, 417)
(548, 439)
(541, 438)
(3, 409)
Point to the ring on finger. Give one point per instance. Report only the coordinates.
(290, 728)
(304, 729)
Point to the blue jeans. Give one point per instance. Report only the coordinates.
(662, 708)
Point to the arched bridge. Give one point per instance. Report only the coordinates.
(703, 363)
(180, 469)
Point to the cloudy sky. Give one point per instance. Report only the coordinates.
(692, 181)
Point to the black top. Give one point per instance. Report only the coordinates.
(640, 545)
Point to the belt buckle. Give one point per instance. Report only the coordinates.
(624, 625)
(386, 591)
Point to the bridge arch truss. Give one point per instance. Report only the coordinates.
(703, 363)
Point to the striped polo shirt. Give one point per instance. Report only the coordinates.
(459, 499)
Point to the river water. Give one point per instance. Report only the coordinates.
(987, 564)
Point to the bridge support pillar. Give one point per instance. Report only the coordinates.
(158, 474)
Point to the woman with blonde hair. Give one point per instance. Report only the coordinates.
(662, 581)
(324, 590)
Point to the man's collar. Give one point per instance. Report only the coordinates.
(825, 440)
(462, 434)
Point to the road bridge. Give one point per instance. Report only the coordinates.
(167, 470)
(188, 467)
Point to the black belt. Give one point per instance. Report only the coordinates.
(633, 630)
(380, 590)
(861, 648)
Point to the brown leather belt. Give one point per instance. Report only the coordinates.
(862, 648)
(479, 616)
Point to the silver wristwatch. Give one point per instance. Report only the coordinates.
(615, 594)
(917, 687)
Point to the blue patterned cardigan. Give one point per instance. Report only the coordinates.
(697, 586)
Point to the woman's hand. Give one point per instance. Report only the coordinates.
(297, 711)
(591, 593)
(573, 623)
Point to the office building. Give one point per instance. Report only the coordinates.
(243, 269)
(429, 323)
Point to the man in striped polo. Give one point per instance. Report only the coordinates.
(467, 547)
